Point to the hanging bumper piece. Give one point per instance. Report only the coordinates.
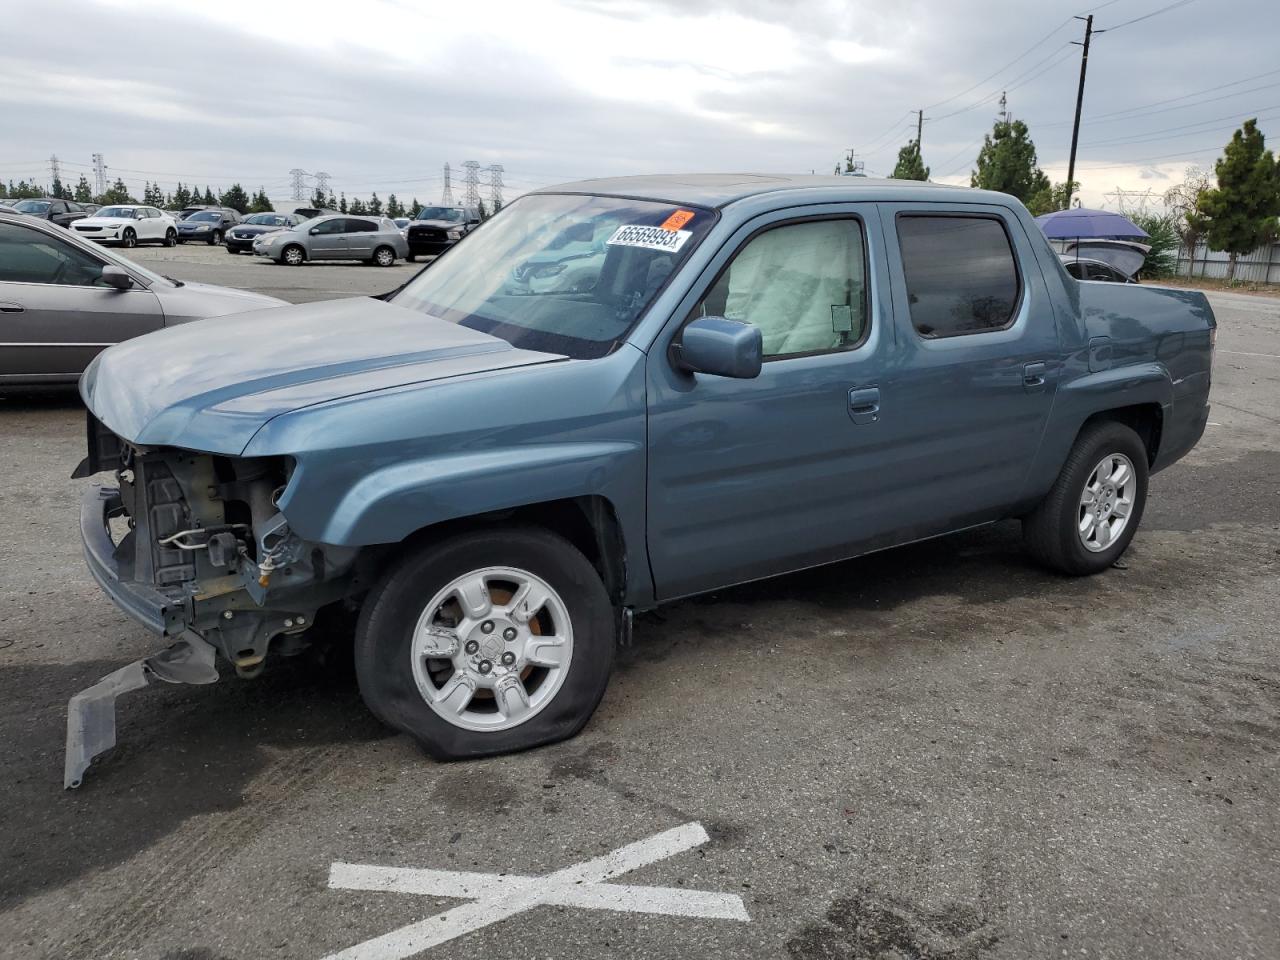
(91, 713)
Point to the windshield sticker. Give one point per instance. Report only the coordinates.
(677, 220)
(651, 238)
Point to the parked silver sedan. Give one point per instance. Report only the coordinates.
(337, 237)
(64, 299)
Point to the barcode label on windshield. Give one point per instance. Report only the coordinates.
(651, 238)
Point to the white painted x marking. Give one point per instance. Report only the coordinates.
(498, 896)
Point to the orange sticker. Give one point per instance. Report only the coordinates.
(677, 220)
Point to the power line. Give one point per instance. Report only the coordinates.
(1148, 16)
(1016, 59)
(1153, 136)
(1021, 80)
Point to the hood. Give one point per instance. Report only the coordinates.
(253, 229)
(211, 385)
(196, 301)
(196, 224)
(442, 224)
(1125, 256)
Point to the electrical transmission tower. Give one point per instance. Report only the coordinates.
(446, 197)
(495, 187)
(55, 172)
(471, 180)
(322, 183)
(299, 187)
(99, 174)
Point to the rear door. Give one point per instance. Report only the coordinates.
(55, 313)
(981, 357)
(360, 238)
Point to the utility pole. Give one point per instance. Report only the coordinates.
(919, 128)
(297, 175)
(1075, 129)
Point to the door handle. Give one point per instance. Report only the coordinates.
(864, 404)
(1033, 376)
(11, 308)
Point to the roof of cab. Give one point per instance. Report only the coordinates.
(722, 189)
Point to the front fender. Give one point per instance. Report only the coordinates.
(388, 504)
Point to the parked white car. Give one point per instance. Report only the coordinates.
(129, 225)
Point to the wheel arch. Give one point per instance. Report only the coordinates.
(1144, 419)
(589, 522)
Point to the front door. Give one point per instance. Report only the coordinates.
(329, 241)
(748, 478)
(55, 313)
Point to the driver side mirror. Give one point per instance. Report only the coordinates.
(474, 221)
(117, 277)
(720, 347)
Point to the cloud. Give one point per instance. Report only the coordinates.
(383, 94)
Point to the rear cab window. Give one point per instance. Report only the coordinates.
(961, 273)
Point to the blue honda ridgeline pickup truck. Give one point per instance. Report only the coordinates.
(614, 394)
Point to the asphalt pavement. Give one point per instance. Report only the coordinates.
(940, 751)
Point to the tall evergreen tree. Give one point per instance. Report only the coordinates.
(910, 165)
(181, 196)
(332, 203)
(375, 205)
(484, 213)
(413, 210)
(1007, 162)
(260, 203)
(235, 198)
(209, 199)
(83, 192)
(356, 206)
(117, 193)
(394, 207)
(1242, 210)
(56, 189)
(318, 199)
(342, 204)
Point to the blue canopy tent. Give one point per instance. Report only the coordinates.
(1081, 223)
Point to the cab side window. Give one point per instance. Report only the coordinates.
(961, 274)
(802, 284)
(30, 256)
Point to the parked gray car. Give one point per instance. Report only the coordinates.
(64, 299)
(338, 237)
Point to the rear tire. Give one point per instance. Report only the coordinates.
(215, 238)
(384, 257)
(1090, 515)
(405, 688)
(412, 258)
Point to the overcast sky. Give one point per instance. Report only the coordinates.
(382, 93)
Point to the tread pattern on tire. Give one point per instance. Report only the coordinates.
(1049, 532)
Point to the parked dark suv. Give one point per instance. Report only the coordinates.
(61, 212)
(435, 229)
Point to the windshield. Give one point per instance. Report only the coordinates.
(452, 214)
(119, 213)
(561, 274)
(32, 206)
(268, 220)
(206, 215)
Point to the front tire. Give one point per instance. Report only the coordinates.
(129, 239)
(171, 237)
(489, 642)
(1090, 515)
(292, 255)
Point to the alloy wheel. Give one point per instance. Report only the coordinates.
(1106, 502)
(492, 649)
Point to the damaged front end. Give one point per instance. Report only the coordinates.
(193, 547)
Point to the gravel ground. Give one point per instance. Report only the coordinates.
(939, 751)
